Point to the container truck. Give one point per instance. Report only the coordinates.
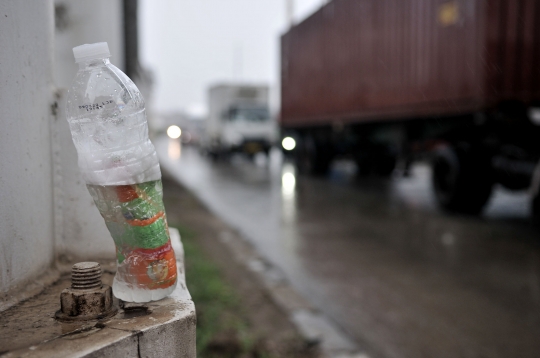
(239, 120)
(386, 81)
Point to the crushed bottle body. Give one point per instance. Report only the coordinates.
(136, 219)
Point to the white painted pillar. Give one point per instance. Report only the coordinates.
(80, 231)
(26, 96)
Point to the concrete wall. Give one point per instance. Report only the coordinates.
(81, 233)
(45, 209)
(82, 21)
(26, 96)
(80, 230)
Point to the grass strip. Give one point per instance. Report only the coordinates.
(222, 329)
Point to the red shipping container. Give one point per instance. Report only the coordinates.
(370, 60)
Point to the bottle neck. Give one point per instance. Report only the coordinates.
(95, 62)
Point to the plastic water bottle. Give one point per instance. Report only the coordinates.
(107, 118)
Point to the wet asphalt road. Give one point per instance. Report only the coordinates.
(379, 259)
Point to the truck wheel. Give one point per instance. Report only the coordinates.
(363, 164)
(376, 159)
(214, 156)
(462, 180)
(535, 191)
(313, 157)
(536, 209)
(385, 166)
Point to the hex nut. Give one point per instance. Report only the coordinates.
(86, 305)
(87, 298)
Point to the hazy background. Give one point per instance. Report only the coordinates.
(209, 41)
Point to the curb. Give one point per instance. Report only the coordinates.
(313, 326)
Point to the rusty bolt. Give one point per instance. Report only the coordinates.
(87, 298)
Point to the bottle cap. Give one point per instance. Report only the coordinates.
(91, 51)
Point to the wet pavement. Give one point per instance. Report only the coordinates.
(379, 258)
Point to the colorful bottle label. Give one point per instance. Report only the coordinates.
(135, 217)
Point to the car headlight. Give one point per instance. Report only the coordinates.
(288, 143)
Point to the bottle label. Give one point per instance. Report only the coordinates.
(135, 217)
(155, 268)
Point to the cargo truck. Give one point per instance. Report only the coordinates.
(239, 120)
(386, 82)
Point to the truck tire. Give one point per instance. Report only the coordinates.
(535, 193)
(385, 165)
(313, 157)
(462, 179)
(214, 156)
(376, 159)
(364, 164)
(536, 209)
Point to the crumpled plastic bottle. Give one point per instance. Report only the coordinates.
(107, 118)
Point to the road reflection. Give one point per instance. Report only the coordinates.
(288, 193)
(174, 150)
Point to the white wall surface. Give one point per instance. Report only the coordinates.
(81, 232)
(45, 209)
(81, 22)
(26, 190)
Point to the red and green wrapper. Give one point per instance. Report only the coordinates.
(135, 217)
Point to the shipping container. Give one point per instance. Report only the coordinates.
(389, 80)
(363, 60)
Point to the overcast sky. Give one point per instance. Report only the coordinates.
(191, 44)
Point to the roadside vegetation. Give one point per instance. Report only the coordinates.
(236, 316)
(222, 326)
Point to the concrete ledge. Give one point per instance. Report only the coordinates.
(164, 328)
(27, 290)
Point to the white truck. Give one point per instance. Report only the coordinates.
(239, 120)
